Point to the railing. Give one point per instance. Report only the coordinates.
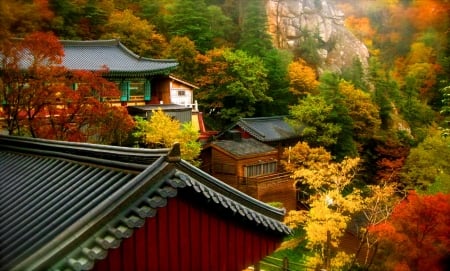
(276, 264)
(264, 178)
(140, 99)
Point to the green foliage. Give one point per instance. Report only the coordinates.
(190, 18)
(445, 111)
(276, 63)
(255, 39)
(312, 118)
(356, 75)
(428, 162)
(234, 84)
(329, 89)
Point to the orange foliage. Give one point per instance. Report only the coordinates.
(425, 14)
(44, 9)
(39, 97)
(362, 28)
(215, 73)
(416, 234)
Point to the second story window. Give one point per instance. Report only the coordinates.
(181, 93)
(260, 169)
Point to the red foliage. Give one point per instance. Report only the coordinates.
(391, 158)
(417, 233)
(38, 95)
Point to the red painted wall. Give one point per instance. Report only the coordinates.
(188, 236)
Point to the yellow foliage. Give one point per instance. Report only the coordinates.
(295, 219)
(302, 156)
(364, 113)
(330, 210)
(162, 131)
(303, 79)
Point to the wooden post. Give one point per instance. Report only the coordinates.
(285, 264)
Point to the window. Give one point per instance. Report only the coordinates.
(181, 93)
(262, 168)
(137, 88)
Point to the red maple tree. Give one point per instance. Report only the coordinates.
(42, 98)
(416, 237)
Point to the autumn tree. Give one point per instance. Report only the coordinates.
(137, 34)
(330, 208)
(362, 29)
(26, 90)
(377, 206)
(183, 50)
(416, 235)
(162, 131)
(39, 99)
(363, 112)
(302, 78)
(390, 157)
(19, 18)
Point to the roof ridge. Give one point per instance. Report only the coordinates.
(264, 118)
(106, 42)
(111, 156)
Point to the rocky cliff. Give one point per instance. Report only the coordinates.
(293, 22)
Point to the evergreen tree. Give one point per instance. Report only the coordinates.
(255, 39)
(190, 18)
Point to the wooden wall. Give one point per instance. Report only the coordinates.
(190, 236)
(219, 158)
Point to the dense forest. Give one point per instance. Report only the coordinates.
(390, 119)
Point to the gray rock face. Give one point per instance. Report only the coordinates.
(290, 21)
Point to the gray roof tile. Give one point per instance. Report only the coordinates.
(243, 147)
(98, 55)
(95, 55)
(268, 129)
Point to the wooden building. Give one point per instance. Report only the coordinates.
(274, 131)
(143, 82)
(247, 156)
(78, 206)
(251, 167)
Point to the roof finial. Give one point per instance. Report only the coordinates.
(174, 154)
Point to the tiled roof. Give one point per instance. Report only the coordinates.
(243, 147)
(98, 55)
(267, 129)
(95, 55)
(64, 205)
